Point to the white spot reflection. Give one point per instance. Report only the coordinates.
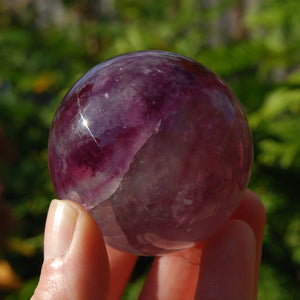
(85, 123)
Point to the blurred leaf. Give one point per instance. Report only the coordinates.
(277, 104)
(26, 291)
(293, 239)
(26, 247)
(133, 289)
(273, 152)
(294, 77)
(272, 286)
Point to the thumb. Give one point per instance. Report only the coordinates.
(75, 259)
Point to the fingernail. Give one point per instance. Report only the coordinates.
(60, 226)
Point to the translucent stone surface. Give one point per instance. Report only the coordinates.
(155, 146)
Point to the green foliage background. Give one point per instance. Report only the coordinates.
(258, 56)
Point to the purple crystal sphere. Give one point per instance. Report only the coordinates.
(156, 147)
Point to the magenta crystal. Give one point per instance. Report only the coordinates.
(156, 147)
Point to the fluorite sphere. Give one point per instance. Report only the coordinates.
(156, 147)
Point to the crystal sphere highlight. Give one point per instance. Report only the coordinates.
(156, 147)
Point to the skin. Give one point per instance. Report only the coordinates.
(78, 265)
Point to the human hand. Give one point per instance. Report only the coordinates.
(77, 264)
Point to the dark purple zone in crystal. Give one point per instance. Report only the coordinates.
(155, 146)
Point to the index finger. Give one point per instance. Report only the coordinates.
(252, 211)
(175, 276)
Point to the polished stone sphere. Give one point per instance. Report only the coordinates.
(156, 147)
